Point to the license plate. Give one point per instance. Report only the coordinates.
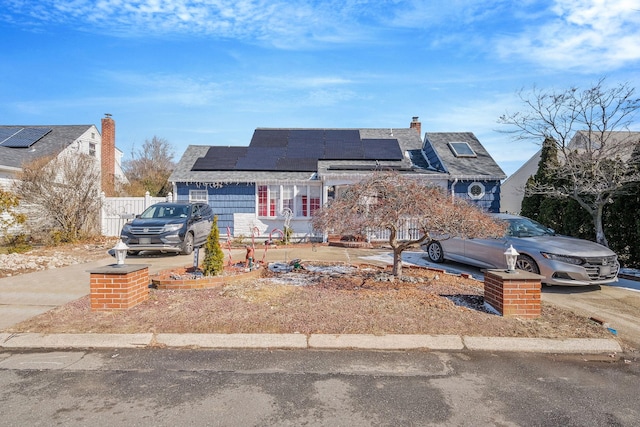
(144, 241)
(605, 270)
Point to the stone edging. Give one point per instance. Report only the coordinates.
(203, 282)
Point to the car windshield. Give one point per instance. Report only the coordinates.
(166, 212)
(525, 227)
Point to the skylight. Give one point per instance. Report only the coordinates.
(461, 149)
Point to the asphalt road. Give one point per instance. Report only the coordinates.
(315, 388)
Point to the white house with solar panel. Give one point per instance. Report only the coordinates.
(20, 145)
(287, 174)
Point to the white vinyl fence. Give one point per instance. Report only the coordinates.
(116, 211)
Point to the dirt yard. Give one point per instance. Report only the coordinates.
(329, 296)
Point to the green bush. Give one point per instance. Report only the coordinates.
(213, 263)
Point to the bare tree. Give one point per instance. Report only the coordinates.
(390, 201)
(62, 194)
(150, 167)
(591, 131)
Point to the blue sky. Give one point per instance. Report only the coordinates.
(209, 72)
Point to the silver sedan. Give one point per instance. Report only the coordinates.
(561, 260)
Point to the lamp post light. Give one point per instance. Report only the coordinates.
(512, 256)
(120, 250)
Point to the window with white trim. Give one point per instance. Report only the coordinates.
(303, 200)
(476, 190)
(198, 196)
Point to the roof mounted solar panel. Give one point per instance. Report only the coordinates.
(25, 137)
(7, 132)
(382, 149)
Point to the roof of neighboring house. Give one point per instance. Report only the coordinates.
(474, 164)
(304, 154)
(51, 140)
(617, 143)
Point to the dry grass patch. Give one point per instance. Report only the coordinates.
(365, 300)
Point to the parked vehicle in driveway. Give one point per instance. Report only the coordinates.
(561, 260)
(169, 227)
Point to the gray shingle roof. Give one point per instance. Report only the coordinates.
(481, 166)
(60, 137)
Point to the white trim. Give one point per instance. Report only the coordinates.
(479, 195)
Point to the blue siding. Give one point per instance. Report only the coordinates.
(225, 201)
(490, 202)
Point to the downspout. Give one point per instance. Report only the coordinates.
(453, 188)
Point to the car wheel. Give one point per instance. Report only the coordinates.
(187, 245)
(526, 263)
(133, 253)
(434, 251)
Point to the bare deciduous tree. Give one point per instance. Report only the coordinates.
(149, 168)
(62, 194)
(590, 129)
(390, 201)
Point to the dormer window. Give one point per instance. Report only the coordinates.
(461, 149)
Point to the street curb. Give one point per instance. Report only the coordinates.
(314, 341)
(386, 342)
(542, 345)
(30, 340)
(232, 340)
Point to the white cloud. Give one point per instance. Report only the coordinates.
(589, 35)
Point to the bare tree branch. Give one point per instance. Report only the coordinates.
(389, 200)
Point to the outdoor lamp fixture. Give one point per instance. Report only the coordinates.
(511, 255)
(120, 250)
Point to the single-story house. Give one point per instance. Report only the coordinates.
(286, 174)
(21, 144)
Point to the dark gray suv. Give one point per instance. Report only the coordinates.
(169, 227)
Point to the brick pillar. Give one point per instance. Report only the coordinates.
(119, 287)
(513, 294)
(108, 155)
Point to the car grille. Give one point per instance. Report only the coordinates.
(146, 230)
(601, 268)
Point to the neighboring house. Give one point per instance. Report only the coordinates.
(21, 144)
(620, 143)
(293, 172)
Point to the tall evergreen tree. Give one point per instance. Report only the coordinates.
(563, 215)
(621, 218)
(536, 205)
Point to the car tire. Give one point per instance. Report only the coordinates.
(526, 263)
(434, 251)
(187, 245)
(133, 253)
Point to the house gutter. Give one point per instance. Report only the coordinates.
(453, 189)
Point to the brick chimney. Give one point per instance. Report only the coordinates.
(108, 155)
(415, 124)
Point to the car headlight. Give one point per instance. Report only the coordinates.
(171, 227)
(563, 258)
(126, 228)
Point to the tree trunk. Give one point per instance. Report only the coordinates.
(599, 227)
(397, 262)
